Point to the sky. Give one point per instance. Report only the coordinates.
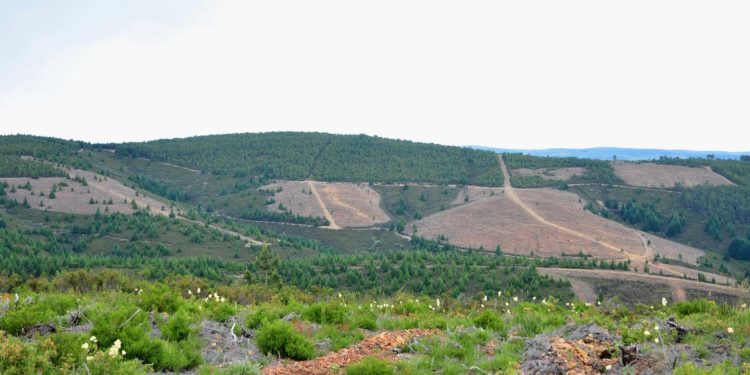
(511, 74)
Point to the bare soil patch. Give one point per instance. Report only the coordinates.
(565, 208)
(498, 220)
(679, 288)
(380, 346)
(352, 205)
(344, 204)
(475, 193)
(666, 176)
(296, 196)
(77, 201)
(674, 250)
(562, 174)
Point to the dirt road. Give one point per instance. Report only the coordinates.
(326, 213)
(642, 258)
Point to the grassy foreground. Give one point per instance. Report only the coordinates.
(104, 322)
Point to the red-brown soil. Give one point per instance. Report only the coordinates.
(379, 346)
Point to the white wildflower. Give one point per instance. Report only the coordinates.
(340, 296)
(609, 367)
(515, 299)
(533, 298)
(115, 348)
(508, 311)
(663, 301)
(484, 298)
(656, 340)
(89, 358)
(85, 346)
(744, 305)
(198, 290)
(499, 293)
(190, 292)
(123, 353)
(92, 339)
(656, 327)
(646, 333)
(437, 302)
(506, 304)
(482, 305)
(730, 330)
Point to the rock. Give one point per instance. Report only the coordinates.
(38, 329)
(583, 350)
(681, 330)
(291, 316)
(629, 354)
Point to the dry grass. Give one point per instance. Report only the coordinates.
(349, 205)
(475, 193)
(673, 250)
(497, 220)
(297, 197)
(352, 205)
(666, 176)
(563, 174)
(77, 201)
(566, 209)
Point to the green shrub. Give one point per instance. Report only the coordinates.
(19, 358)
(695, 306)
(179, 326)
(264, 314)
(325, 313)
(221, 312)
(365, 321)
(42, 310)
(489, 319)
(280, 338)
(159, 297)
(176, 356)
(68, 348)
(370, 366)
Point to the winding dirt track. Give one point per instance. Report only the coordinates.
(331, 223)
(648, 251)
(511, 193)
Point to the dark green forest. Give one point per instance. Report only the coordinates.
(319, 156)
(596, 171)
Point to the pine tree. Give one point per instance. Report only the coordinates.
(267, 263)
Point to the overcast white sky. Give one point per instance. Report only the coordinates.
(516, 74)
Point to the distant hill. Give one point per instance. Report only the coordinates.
(321, 156)
(606, 153)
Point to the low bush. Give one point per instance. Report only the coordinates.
(370, 366)
(280, 338)
(42, 310)
(264, 314)
(179, 326)
(489, 319)
(159, 297)
(326, 313)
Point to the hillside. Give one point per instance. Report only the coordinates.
(319, 156)
(346, 253)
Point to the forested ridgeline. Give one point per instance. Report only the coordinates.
(595, 171)
(319, 156)
(17, 154)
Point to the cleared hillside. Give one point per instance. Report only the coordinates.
(325, 157)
